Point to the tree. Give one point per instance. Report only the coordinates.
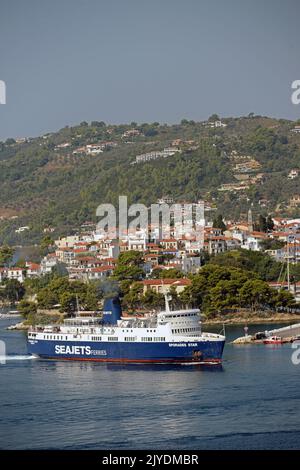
(129, 266)
(172, 273)
(261, 225)
(283, 298)
(214, 117)
(59, 270)
(271, 244)
(218, 223)
(270, 223)
(224, 295)
(6, 254)
(45, 244)
(14, 290)
(134, 295)
(47, 298)
(152, 299)
(10, 141)
(98, 124)
(68, 302)
(21, 263)
(255, 293)
(91, 298)
(26, 308)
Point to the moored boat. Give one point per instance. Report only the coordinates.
(273, 340)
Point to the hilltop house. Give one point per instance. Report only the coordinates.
(294, 173)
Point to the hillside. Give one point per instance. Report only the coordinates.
(57, 181)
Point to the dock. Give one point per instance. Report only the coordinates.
(287, 333)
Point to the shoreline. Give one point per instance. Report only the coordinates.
(277, 318)
(255, 320)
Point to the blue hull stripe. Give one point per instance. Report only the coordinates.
(208, 351)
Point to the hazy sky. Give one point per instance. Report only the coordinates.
(65, 61)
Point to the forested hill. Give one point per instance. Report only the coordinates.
(57, 180)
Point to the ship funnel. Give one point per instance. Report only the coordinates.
(112, 311)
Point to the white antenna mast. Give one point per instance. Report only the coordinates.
(167, 305)
(77, 306)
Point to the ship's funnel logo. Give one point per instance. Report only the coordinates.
(2, 92)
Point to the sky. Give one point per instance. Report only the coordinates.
(66, 61)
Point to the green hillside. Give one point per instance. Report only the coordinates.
(44, 184)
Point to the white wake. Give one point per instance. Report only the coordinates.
(16, 358)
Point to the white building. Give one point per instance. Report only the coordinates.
(294, 173)
(251, 243)
(16, 274)
(47, 263)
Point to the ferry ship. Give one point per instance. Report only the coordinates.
(170, 336)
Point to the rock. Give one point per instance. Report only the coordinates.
(18, 326)
(243, 340)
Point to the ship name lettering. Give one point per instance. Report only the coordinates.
(60, 349)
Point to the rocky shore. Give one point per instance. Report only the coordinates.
(237, 319)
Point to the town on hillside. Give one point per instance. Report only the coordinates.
(147, 267)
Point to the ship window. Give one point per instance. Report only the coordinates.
(113, 338)
(128, 338)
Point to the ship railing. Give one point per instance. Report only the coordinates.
(44, 329)
(211, 335)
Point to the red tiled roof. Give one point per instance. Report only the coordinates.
(102, 269)
(33, 266)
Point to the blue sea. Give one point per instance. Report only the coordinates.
(251, 402)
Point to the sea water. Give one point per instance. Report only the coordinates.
(251, 402)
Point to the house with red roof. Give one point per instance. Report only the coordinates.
(33, 270)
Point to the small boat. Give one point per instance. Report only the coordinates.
(273, 340)
(10, 314)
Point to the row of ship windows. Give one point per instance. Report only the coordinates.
(185, 330)
(113, 338)
(181, 315)
(153, 339)
(130, 338)
(131, 331)
(133, 338)
(55, 337)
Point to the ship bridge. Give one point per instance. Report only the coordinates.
(182, 322)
